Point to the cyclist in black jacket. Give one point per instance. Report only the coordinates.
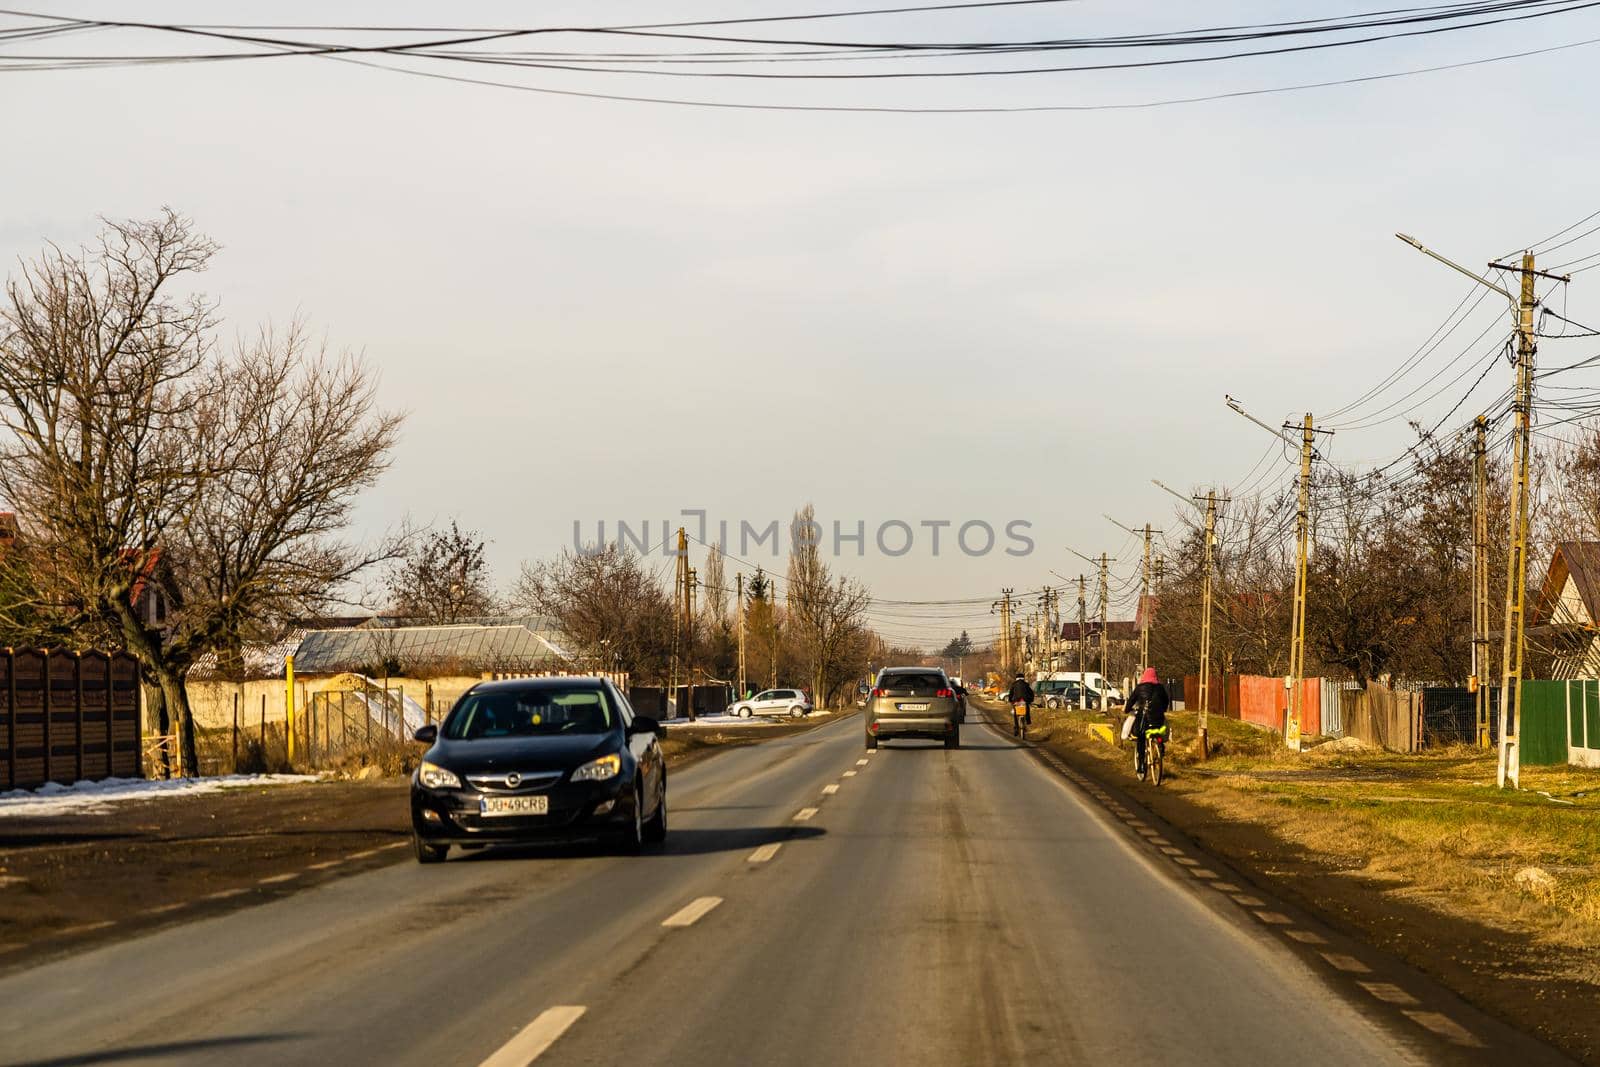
(1020, 696)
(1148, 704)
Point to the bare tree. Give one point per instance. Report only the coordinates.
(143, 462)
(716, 587)
(443, 577)
(827, 613)
(608, 604)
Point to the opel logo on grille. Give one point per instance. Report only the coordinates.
(513, 779)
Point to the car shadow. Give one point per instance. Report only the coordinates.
(203, 1048)
(678, 843)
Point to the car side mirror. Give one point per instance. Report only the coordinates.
(426, 734)
(644, 724)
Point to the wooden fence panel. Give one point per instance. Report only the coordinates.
(1383, 717)
(66, 717)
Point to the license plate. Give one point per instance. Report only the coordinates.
(536, 805)
(912, 707)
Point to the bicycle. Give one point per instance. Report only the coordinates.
(1019, 712)
(1155, 748)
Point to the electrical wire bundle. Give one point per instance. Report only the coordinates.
(730, 51)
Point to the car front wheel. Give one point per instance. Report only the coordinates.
(655, 831)
(427, 853)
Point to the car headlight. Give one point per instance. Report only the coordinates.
(436, 777)
(599, 770)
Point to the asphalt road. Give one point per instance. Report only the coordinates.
(958, 907)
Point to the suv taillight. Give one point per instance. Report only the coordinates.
(945, 693)
(878, 692)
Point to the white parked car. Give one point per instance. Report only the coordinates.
(790, 702)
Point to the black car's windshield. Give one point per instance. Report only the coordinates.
(532, 712)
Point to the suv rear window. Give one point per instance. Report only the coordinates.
(913, 683)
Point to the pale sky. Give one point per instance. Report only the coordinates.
(600, 310)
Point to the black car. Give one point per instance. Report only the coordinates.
(539, 759)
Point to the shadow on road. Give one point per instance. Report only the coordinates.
(679, 843)
(204, 1048)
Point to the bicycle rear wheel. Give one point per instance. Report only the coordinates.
(1157, 762)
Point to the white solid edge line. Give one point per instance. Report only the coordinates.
(534, 1039)
(691, 912)
(765, 852)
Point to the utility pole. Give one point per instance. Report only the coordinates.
(1205, 623)
(1523, 303)
(1480, 577)
(1208, 566)
(1104, 563)
(1297, 637)
(689, 586)
(1105, 625)
(1144, 592)
(1003, 605)
(739, 684)
(1297, 630)
(1510, 763)
(1083, 632)
(679, 584)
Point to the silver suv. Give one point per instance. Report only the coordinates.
(913, 702)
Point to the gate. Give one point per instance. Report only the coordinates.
(67, 717)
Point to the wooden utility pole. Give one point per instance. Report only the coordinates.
(1517, 556)
(1105, 606)
(1207, 567)
(1205, 622)
(1480, 578)
(1297, 630)
(1083, 637)
(1524, 302)
(689, 586)
(1144, 604)
(679, 603)
(739, 693)
(1297, 636)
(1003, 605)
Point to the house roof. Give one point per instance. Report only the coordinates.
(1579, 560)
(257, 660)
(424, 648)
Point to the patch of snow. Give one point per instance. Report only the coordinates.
(723, 721)
(89, 798)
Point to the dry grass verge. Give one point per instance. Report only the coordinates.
(1433, 825)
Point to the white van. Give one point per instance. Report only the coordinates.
(1094, 681)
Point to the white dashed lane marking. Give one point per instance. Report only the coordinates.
(1345, 963)
(534, 1039)
(692, 912)
(861, 763)
(804, 814)
(277, 878)
(765, 852)
(1306, 937)
(324, 865)
(1389, 993)
(829, 790)
(1444, 1026)
(165, 908)
(849, 774)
